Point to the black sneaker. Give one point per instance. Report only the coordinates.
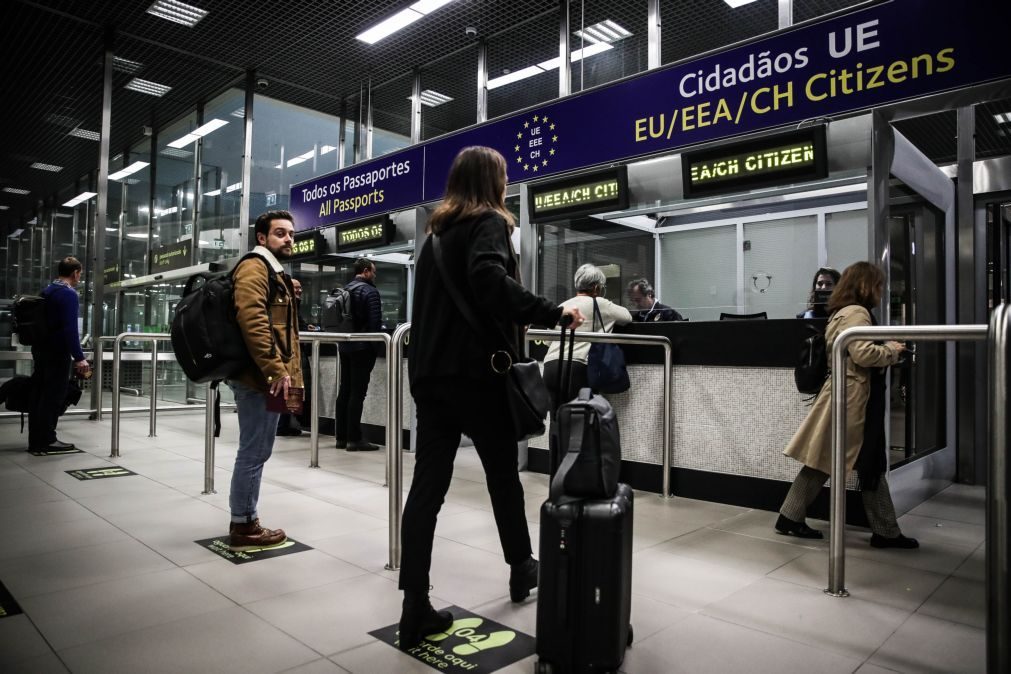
(788, 527)
(362, 446)
(900, 541)
(341, 444)
(522, 579)
(417, 619)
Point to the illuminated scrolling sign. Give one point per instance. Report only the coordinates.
(308, 244)
(362, 235)
(590, 193)
(774, 160)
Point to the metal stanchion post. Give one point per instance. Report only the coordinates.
(153, 432)
(97, 379)
(117, 348)
(394, 431)
(314, 407)
(998, 507)
(668, 418)
(209, 441)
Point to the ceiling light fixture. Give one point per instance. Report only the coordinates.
(198, 132)
(63, 120)
(147, 87)
(401, 19)
(85, 134)
(605, 31)
(233, 187)
(4, 207)
(240, 113)
(734, 4)
(83, 196)
(177, 12)
(213, 193)
(129, 170)
(176, 152)
(123, 65)
(433, 98)
(1003, 118)
(166, 211)
(16, 190)
(547, 66)
(15, 234)
(46, 167)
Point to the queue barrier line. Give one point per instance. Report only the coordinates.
(668, 402)
(117, 355)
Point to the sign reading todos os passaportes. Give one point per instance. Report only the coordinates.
(873, 56)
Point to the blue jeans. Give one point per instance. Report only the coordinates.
(257, 428)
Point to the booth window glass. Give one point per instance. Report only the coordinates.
(692, 27)
(699, 272)
(220, 196)
(614, 37)
(391, 116)
(172, 216)
(136, 213)
(523, 65)
(449, 94)
(845, 238)
(780, 258)
(810, 9)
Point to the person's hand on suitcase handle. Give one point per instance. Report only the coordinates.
(571, 318)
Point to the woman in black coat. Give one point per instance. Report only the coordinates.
(455, 390)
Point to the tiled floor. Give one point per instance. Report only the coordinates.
(110, 579)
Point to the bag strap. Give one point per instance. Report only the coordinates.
(217, 407)
(557, 489)
(461, 304)
(597, 315)
(271, 294)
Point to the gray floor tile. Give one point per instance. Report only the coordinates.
(737, 551)
(929, 645)
(851, 627)
(26, 540)
(95, 612)
(960, 503)
(959, 600)
(467, 576)
(930, 556)
(700, 644)
(760, 524)
(376, 657)
(334, 617)
(321, 666)
(38, 492)
(227, 640)
(949, 532)
(245, 583)
(974, 567)
(41, 514)
(20, 640)
(868, 668)
(521, 617)
(897, 586)
(368, 549)
(50, 663)
(64, 569)
(309, 519)
(687, 583)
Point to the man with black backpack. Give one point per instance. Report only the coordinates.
(266, 316)
(53, 350)
(358, 358)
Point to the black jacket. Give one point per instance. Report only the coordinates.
(367, 312)
(659, 312)
(481, 263)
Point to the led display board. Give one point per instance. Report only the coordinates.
(781, 159)
(364, 234)
(308, 244)
(596, 192)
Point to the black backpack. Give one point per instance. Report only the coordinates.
(338, 312)
(17, 393)
(812, 363)
(205, 333)
(29, 318)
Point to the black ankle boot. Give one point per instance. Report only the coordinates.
(522, 579)
(788, 527)
(419, 619)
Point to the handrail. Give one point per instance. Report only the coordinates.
(639, 340)
(394, 455)
(117, 352)
(920, 333)
(998, 507)
(318, 338)
(209, 398)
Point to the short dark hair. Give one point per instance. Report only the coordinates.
(263, 221)
(362, 265)
(68, 265)
(643, 286)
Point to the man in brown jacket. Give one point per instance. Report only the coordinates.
(266, 313)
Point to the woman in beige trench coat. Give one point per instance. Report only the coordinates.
(858, 291)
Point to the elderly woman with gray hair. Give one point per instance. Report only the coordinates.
(590, 283)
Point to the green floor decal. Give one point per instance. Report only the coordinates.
(99, 473)
(471, 644)
(54, 452)
(219, 546)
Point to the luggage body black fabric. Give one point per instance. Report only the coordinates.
(29, 319)
(584, 602)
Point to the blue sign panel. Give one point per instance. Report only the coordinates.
(879, 55)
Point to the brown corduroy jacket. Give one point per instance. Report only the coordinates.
(272, 358)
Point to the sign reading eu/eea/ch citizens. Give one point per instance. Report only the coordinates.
(873, 56)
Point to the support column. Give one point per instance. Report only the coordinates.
(247, 163)
(878, 195)
(564, 52)
(101, 215)
(342, 134)
(198, 160)
(415, 108)
(482, 81)
(368, 122)
(785, 13)
(653, 52)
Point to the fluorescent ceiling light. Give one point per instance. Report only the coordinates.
(147, 87)
(738, 3)
(166, 211)
(15, 234)
(46, 167)
(113, 230)
(83, 196)
(327, 149)
(1003, 118)
(137, 236)
(213, 193)
(4, 207)
(129, 170)
(240, 113)
(198, 132)
(63, 120)
(176, 152)
(433, 98)
(85, 134)
(16, 190)
(547, 66)
(184, 140)
(34, 221)
(177, 12)
(400, 20)
(233, 187)
(123, 65)
(605, 31)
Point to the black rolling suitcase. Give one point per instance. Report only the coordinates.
(584, 590)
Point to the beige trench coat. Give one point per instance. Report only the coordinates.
(812, 443)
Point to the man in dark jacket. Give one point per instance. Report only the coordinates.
(641, 295)
(53, 357)
(358, 358)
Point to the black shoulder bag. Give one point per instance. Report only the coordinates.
(526, 394)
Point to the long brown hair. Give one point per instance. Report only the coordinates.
(476, 185)
(861, 283)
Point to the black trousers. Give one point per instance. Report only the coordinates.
(50, 379)
(356, 370)
(447, 410)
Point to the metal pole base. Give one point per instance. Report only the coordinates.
(841, 593)
(390, 567)
(208, 493)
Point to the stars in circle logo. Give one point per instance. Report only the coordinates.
(536, 144)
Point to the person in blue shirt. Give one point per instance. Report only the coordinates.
(53, 357)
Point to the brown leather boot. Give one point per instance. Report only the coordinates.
(250, 535)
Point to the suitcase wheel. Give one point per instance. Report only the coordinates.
(544, 667)
(628, 642)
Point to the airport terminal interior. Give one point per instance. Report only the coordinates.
(722, 152)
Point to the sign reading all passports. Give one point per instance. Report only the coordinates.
(876, 55)
(171, 256)
(589, 193)
(772, 160)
